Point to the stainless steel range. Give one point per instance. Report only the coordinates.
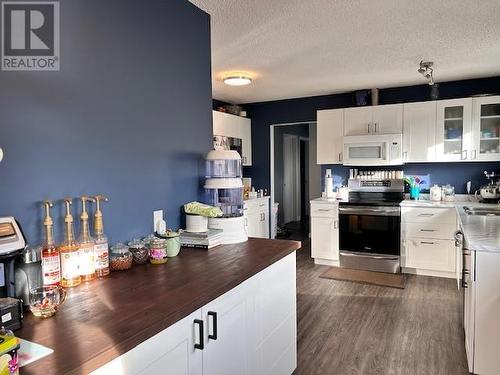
(370, 225)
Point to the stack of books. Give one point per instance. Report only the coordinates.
(204, 240)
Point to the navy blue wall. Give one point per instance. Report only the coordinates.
(128, 116)
(304, 110)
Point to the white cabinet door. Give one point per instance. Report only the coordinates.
(469, 309)
(225, 124)
(226, 333)
(171, 349)
(453, 129)
(430, 254)
(330, 130)
(387, 119)
(264, 225)
(275, 320)
(487, 311)
(253, 220)
(324, 238)
(246, 139)
(419, 132)
(486, 129)
(358, 121)
(233, 126)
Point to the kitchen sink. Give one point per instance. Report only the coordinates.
(482, 211)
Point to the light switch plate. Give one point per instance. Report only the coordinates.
(157, 217)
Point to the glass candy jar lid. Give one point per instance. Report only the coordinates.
(119, 250)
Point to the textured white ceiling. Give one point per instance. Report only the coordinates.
(301, 48)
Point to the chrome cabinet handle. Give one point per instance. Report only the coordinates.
(426, 215)
(368, 128)
(375, 127)
(405, 155)
(340, 156)
(427, 230)
(464, 155)
(427, 243)
(473, 154)
(335, 224)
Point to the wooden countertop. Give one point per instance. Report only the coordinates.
(105, 318)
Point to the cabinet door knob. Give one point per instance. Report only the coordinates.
(213, 336)
(201, 345)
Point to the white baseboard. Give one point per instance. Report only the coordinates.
(326, 262)
(417, 271)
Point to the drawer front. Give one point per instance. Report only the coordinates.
(428, 254)
(429, 215)
(259, 205)
(324, 210)
(425, 230)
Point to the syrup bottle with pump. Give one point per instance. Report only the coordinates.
(86, 242)
(70, 252)
(51, 261)
(101, 248)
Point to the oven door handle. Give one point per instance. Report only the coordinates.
(362, 210)
(364, 255)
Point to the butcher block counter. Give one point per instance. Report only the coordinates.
(103, 319)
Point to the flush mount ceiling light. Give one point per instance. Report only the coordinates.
(237, 79)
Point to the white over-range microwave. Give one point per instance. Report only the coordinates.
(380, 149)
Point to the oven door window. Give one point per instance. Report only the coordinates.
(370, 234)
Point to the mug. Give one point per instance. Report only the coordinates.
(45, 300)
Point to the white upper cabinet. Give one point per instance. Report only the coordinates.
(419, 132)
(387, 119)
(358, 120)
(228, 125)
(329, 144)
(486, 128)
(380, 119)
(454, 129)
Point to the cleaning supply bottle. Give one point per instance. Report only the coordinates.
(86, 242)
(101, 249)
(329, 184)
(51, 262)
(70, 252)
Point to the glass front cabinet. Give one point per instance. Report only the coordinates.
(454, 136)
(486, 128)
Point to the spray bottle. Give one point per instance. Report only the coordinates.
(70, 252)
(87, 261)
(101, 251)
(51, 262)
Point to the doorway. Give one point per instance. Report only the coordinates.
(293, 162)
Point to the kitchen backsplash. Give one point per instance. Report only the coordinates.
(456, 174)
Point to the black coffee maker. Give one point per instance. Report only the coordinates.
(12, 244)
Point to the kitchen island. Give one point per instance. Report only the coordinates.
(110, 320)
(477, 249)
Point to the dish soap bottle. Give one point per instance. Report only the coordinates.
(86, 242)
(70, 252)
(101, 249)
(51, 262)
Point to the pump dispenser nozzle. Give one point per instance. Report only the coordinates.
(98, 223)
(68, 219)
(48, 223)
(84, 215)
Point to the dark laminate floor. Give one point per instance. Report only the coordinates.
(348, 328)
